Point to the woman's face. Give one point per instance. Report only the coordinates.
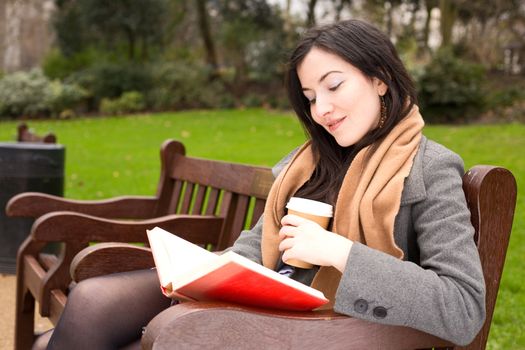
(342, 99)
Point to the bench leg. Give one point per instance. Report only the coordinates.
(24, 319)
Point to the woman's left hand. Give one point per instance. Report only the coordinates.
(305, 240)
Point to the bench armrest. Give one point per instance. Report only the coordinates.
(35, 204)
(192, 325)
(111, 257)
(105, 258)
(76, 227)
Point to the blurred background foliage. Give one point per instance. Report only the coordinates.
(120, 56)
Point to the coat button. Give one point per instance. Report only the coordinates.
(379, 312)
(361, 306)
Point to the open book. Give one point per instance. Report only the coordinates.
(189, 272)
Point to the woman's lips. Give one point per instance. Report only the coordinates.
(335, 124)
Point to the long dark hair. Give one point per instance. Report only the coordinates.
(371, 51)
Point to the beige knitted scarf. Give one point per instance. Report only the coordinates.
(366, 205)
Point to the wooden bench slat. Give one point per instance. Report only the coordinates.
(57, 303)
(213, 200)
(47, 260)
(258, 210)
(241, 212)
(255, 181)
(186, 198)
(174, 199)
(200, 198)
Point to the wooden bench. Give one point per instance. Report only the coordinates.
(179, 207)
(207, 202)
(491, 197)
(24, 134)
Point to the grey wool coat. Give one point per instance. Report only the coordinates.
(438, 287)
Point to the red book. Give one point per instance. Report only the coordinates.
(189, 272)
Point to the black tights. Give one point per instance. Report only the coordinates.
(108, 312)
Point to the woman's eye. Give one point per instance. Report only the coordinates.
(310, 98)
(334, 87)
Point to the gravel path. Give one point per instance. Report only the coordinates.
(7, 312)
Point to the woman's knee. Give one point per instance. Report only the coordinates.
(118, 287)
(87, 292)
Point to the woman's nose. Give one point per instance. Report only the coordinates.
(323, 106)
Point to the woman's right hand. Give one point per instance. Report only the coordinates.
(305, 240)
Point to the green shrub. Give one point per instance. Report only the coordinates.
(109, 106)
(33, 94)
(184, 84)
(506, 96)
(111, 80)
(24, 93)
(278, 102)
(58, 66)
(129, 102)
(450, 89)
(252, 100)
(64, 97)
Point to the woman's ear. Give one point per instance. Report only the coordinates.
(380, 86)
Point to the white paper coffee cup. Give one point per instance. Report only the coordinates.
(319, 212)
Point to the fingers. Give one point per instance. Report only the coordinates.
(286, 255)
(292, 225)
(293, 220)
(286, 244)
(287, 231)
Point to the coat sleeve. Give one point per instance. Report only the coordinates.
(444, 294)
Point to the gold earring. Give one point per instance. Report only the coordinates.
(382, 118)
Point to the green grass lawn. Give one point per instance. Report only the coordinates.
(106, 157)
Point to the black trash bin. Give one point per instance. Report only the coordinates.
(34, 167)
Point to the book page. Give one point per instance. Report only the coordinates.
(187, 271)
(174, 256)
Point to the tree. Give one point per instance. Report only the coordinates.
(310, 18)
(71, 33)
(487, 28)
(429, 6)
(252, 35)
(139, 25)
(339, 6)
(449, 13)
(209, 45)
(137, 21)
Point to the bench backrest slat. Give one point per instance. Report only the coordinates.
(186, 198)
(173, 199)
(258, 208)
(198, 204)
(189, 185)
(238, 178)
(213, 200)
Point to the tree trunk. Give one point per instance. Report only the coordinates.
(288, 24)
(131, 43)
(204, 27)
(429, 6)
(449, 12)
(145, 49)
(426, 30)
(310, 21)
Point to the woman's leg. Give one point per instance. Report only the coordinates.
(108, 312)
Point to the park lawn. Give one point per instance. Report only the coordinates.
(110, 156)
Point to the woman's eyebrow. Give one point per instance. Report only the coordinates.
(323, 77)
(327, 74)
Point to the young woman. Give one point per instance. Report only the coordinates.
(400, 247)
